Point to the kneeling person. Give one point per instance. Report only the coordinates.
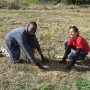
(77, 43)
(23, 38)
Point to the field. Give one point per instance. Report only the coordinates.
(53, 29)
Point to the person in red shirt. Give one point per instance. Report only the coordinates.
(76, 42)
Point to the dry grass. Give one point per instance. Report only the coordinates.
(51, 40)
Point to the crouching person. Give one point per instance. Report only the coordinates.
(23, 38)
(77, 43)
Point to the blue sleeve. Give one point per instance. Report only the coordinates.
(25, 47)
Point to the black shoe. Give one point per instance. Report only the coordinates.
(62, 62)
(40, 66)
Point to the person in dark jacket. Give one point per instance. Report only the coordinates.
(23, 38)
(77, 43)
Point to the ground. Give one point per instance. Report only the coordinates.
(52, 31)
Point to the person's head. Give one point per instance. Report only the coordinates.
(73, 31)
(32, 27)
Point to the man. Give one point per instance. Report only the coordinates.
(76, 42)
(23, 38)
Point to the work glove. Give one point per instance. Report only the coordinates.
(44, 60)
(40, 66)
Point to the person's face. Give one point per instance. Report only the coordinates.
(73, 34)
(32, 29)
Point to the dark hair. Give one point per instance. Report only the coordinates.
(33, 23)
(74, 28)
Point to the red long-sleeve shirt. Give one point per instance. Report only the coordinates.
(79, 42)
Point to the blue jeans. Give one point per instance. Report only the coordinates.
(72, 55)
(14, 51)
(13, 48)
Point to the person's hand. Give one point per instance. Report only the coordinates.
(40, 66)
(44, 60)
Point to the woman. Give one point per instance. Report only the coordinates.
(76, 42)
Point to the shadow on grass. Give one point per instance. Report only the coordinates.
(52, 66)
(83, 66)
(82, 69)
(55, 66)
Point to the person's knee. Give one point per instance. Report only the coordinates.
(71, 56)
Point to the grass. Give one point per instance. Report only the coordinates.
(82, 84)
(55, 22)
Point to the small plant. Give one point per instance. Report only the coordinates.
(51, 38)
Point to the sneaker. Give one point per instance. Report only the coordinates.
(62, 62)
(4, 52)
